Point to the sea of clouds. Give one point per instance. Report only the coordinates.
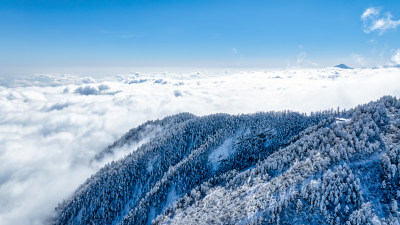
(52, 126)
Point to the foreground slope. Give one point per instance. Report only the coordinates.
(287, 168)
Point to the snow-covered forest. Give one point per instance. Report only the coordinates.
(199, 112)
(329, 167)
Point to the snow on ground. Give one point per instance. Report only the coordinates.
(220, 154)
(171, 197)
(342, 120)
(51, 126)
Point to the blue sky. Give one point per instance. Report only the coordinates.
(207, 33)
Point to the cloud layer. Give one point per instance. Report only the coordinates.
(396, 57)
(373, 21)
(52, 126)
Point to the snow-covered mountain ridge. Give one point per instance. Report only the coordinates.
(332, 167)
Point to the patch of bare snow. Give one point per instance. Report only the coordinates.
(220, 154)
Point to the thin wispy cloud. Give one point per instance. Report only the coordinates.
(396, 57)
(370, 12)
(374, 21)
(127, 35)
(301, 57)
(122, 35)
(234, 51)
(358, 59)
(302, 60)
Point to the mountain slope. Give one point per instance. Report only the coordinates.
(327, 168)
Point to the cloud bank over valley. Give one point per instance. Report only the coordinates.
(53, 126)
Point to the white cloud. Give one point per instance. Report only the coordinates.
(234, 51)
(303, 61)
(373, 22)
(370, 12)
(48, 137)
(301, 57)
(358, 59)
(127, 35)
(396, 57)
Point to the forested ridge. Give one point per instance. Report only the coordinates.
(330, 167)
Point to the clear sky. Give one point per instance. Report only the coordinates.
(206, 33)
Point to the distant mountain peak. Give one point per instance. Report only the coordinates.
(392, 66)
(343, 66)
